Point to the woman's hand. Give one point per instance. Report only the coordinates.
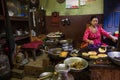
(90, 42)
(114, 39)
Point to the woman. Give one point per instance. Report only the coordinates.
(94, 33)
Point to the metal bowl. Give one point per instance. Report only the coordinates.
(63, 41)
(66, 41)
(61, 68)
(45, 76)
(112, 56)
(82, 63)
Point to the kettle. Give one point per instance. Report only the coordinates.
(62, 70)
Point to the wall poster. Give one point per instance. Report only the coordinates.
(73, 4)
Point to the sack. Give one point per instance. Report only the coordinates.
(83, 45)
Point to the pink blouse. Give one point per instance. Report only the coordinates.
(96, 37)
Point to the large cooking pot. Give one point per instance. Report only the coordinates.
(54, 53)
(115, 57)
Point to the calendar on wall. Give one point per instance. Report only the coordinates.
(72, 4)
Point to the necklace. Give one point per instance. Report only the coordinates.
(93, 29)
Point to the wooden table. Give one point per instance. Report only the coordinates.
(104, 72)
(108, 71)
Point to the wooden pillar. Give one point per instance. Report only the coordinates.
(9, 34)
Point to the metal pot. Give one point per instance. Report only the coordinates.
(54, 53)
(62, 70)
(114, 57)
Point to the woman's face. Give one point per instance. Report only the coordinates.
(94, 21)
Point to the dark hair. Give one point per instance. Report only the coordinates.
(93, 17)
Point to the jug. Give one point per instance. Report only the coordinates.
(62, 72)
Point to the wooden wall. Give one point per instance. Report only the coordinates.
(76, 28)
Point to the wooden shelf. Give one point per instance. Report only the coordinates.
(17, 38)
(21, 37)
(15, 18)
(1, 17)
(18, 18)
(2, 41)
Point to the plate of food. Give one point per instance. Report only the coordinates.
(76, 63)
(93, 55)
